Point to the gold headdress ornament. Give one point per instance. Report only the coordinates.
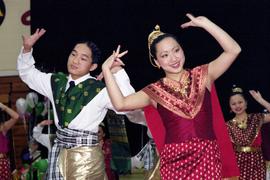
(152, 36)
(237, 89)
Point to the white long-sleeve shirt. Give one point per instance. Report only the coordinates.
(92, 114)
(43, 139)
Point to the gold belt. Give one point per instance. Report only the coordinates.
(3, 155)
(247, 149)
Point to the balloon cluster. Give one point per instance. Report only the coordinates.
(31, 110)
(23, 104)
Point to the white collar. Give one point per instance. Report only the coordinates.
(81, 79)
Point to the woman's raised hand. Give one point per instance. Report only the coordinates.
(113, 63)
(29, 41)
(256, 95)
(194, 21)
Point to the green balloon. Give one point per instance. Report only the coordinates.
(39, 108)
(41, 165)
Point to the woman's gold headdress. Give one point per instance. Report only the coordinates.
(152, 36)
(236, 89)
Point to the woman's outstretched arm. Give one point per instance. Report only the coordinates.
(258, 97)
(14, 116)
(231, 49)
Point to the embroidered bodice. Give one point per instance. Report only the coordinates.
(179, 129)
(246, 136)
(184, 106)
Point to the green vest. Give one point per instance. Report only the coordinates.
(68, 105)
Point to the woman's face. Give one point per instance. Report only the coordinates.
(170, 56)
(238, 104)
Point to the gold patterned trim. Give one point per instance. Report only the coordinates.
(179, 88)
(258, 128)
(231, 124)
(184, 106)
(247, 149)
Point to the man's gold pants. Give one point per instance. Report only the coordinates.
(82, 163)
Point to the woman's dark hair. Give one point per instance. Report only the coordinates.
(153, 48)
(96, 53)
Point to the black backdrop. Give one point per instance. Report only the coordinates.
(112, 22)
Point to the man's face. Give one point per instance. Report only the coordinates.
(79, 61)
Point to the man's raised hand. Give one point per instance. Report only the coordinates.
(29, 41)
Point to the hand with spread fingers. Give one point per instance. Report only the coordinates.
(29, 41)
(114, 62)
(256, 95)
(194, 21)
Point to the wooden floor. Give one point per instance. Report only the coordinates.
(137, 174)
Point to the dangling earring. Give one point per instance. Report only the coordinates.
(157, 65)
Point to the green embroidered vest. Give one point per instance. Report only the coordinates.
(68, 105)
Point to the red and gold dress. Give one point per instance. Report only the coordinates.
(266, 147)
(247, 145)
(190, 149)
(4, 160)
